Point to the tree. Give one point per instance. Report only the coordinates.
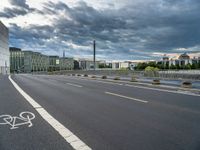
(152, 64)
(194, 66)
(141, 66)
(178, 67)
(172, 66)
(199, 64)
(188, 66)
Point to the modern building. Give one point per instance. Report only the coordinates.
(120, 65)
(88, 64)
(27, 61)
(4, 50)
(66, 63)
(76, 65)
(54, 63)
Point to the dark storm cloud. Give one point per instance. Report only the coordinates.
(135, 31)
(20, 8)
(19, 3)
(10, 13)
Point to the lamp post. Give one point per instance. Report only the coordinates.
(94, 46)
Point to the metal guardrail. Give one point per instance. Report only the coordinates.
(169, 74)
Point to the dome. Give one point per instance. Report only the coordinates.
(184, 56)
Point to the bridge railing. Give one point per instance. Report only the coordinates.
(168, 74)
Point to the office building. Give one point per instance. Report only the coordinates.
(66, 63)
(27, 61)
(88, 64)
(4, 50)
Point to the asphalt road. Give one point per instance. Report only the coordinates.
(106, 116)
(40, 136)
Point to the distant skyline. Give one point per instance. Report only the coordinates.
(123, 29)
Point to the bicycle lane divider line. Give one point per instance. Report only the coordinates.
(126, 97)
(70, 138)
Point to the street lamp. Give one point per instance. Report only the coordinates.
(94, 46)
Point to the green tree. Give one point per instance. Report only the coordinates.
(141, 66)
(172, 66)
(188, 66)
(199, 64)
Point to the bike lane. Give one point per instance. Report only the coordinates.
(21, 127)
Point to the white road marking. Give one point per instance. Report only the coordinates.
(72, 139)
(76, 85)
(163, 90)
(24, 118)
(135, 99)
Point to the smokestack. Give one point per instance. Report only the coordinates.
(63, 54)
(94, 45)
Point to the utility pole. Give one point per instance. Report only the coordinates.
(94, 46)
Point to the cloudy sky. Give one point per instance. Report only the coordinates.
(123, 29)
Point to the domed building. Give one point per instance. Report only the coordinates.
(184, 59)
(165, 58)
(184, 56)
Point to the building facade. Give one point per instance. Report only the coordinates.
(88, 64)
(66, 63)
(4, 50)
(54, 63)
(27, 61)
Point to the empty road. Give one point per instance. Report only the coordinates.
(102, 115)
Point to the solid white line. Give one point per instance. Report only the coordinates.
(135, 99)
(72, 139)
(76, 85)
(163, 90)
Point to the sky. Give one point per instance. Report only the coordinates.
(123, 29)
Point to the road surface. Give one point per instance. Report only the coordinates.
(103, 115)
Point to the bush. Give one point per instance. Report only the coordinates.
(79, 75)
(156, 81)
(85, 75)
(93, 76)
(117, 78)
(151, 68)
(186, 84)
(133, 79)
(104, 77)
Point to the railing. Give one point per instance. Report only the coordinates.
(169, 74)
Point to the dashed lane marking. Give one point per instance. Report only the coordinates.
(131, 98)
(76, 85)
(70, 138)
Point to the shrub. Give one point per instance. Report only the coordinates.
(104, 77)
(85, 75)
(156, 81)
(186, 84)
(117, 78)
(133, 79)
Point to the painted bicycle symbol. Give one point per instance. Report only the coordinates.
(15, 121)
